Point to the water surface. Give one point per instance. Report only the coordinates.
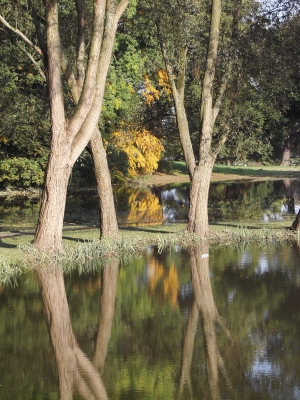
(213, 323)
(229, 201)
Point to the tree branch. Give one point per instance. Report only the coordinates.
(222, 90)
(121, 7)
(41, 72)
(89, 88)
(182, 70)
(81, 43)
(37, 23)
(21, 35)
(220, 142)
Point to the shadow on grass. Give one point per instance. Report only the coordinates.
(250, 227)
(77, 239)
(141, 229)
(7, 246)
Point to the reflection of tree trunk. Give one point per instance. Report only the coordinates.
(205, 301)
(109, 288)
(187, 353)
(296, 224)
(206, 305)
(75, 371)
(288, 190)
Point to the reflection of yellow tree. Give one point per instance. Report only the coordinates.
(171, 285)
(169, 279)
(151, 93)
(144, 207)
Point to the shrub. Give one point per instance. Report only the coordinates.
(21, 173)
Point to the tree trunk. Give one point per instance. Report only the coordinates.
(48, 235)
(198, 212)
(286, 156)
(108, 217)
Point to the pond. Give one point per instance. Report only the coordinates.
(202, 323)
(233, 201)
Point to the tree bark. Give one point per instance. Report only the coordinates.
(107, 211)
(286, 155)
(198, 211)
(48, 235)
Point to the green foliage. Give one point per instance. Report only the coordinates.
(21, 173)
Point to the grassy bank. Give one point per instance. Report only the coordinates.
(134, 239)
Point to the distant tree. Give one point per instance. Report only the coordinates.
(189, 35)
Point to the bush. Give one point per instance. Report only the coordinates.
(21, 173)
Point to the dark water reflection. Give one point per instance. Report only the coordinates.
(231, 201)
(175, 325)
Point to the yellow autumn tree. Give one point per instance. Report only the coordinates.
(143, 149)
(151, 93)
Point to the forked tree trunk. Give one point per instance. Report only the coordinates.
(71, 136)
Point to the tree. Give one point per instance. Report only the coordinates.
(70, 134)
(182, 56)
(272, 63)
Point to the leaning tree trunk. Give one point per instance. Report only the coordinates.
(107, 212)
(48, 234)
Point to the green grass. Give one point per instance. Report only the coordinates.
(178, 167)
(275, 172)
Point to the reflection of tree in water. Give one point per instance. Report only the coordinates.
(164, 283)
(204, 304)
(75, 370)
(240, 200)
(138, 206)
